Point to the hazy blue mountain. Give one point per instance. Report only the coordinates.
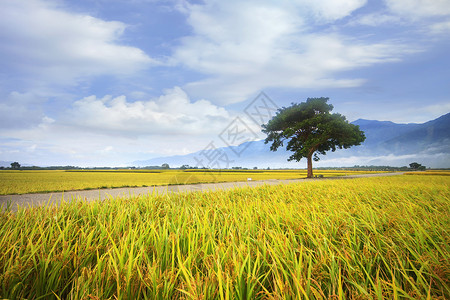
(427, 135)
(387, 143)
(377, 131)
(384, 138)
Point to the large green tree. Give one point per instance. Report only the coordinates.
(309, 129)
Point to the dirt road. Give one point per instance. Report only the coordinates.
(28, 200)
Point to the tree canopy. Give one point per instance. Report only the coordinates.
(309, 129)
(417, 166)
(15, 165)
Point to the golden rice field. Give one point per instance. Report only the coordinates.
(368, 238)
(434, 172)
(38, 181)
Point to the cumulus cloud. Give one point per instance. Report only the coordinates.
(247, 46)
(110, 130)
(41, 38)
(173, 113)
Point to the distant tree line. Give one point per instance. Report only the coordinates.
(412, 166)
(17, 166)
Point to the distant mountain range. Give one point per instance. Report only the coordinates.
(386, 143)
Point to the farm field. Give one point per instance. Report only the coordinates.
(38, 181)
(431, 172)
(367, 238)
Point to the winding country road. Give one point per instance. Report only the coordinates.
(27, 200)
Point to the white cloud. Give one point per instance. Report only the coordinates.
(440, 28)
(419, 8)
(376, 19)
(22, 110)
(39, 38)
(330, 10)
(438, 109)
(429, 18)
(253, 45)
(110, 130)
(404, 11)
(172, 113)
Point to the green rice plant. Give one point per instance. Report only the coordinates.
(373, 238)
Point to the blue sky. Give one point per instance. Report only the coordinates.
(107, 82)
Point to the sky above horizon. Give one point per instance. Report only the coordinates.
(109, 82)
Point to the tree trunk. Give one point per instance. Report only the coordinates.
(310, 172)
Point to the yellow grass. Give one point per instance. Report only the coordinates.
(434, 172)
(36, 181)
(370, 238)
